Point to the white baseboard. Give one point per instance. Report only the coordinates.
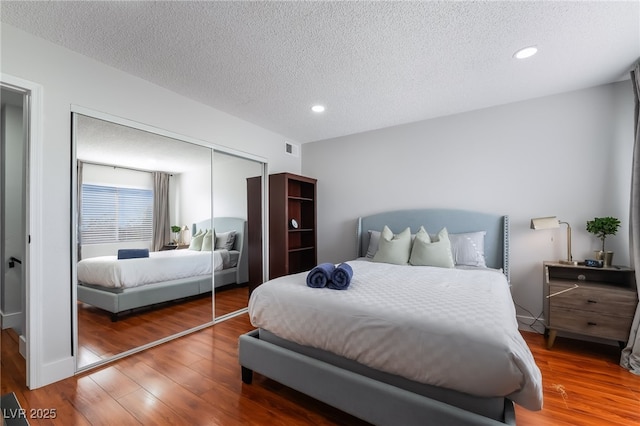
(528, 323)
(13, 320)
(23, 346)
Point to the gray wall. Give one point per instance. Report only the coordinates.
(11, 304)
(567, 155)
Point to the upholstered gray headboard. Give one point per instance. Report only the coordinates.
(456, 221)
(225, 224)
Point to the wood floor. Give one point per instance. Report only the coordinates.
(99, 338)
(196, 380)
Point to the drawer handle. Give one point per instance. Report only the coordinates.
(591, 323)
(592, 301)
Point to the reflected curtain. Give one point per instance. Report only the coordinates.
(630, 358)
(160, 209)
(80, 171)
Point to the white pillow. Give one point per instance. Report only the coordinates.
(207, 241)
(196, 241)
(432, 252)
(468, 248)
(374, 239)
(392, 248)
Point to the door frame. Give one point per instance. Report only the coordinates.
(34, 304)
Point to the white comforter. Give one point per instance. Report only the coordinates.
(446, 327)
(108, 271)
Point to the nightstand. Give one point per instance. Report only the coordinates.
(597, 302)
(174, 247)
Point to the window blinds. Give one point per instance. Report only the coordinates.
(114, 214)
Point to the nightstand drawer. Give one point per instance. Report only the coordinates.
(590, 323)
(608, 301)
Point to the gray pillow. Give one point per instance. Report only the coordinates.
(225, 240)
(392, 248)
(468, 248)
(428, 252)
(374, 238)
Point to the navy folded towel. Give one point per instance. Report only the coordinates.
(132, 253)
(341, 277)
(320, 276)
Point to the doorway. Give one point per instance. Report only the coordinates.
(14, 153)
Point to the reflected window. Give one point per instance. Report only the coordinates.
(113, 214)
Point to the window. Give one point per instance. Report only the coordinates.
(113, 214)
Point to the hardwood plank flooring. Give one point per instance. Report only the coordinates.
(99, 338)
(196, 380)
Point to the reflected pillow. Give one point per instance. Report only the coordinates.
(432, 252)
(207, 241)
(392, 248)
(196, 241)
(468, 248)
(225, 240)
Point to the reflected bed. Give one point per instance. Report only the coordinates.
(164, 276)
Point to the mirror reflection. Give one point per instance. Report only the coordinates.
(230, 175)
(151, 251)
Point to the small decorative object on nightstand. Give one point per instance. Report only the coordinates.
(601, 227)
(597, 302)
(176, 230)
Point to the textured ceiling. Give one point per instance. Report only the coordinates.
(372, 64)
(103, 142)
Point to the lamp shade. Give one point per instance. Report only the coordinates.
(545, 222)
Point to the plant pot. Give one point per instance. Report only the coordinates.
(606, 257)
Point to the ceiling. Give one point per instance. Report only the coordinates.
(372, 64)
(104, 142)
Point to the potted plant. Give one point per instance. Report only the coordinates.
(601, 227)
(175, 229)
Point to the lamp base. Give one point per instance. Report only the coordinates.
(568, 262)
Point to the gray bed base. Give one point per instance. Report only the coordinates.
(369, 399)
(352, 390)
(120, 301)
(138, 297)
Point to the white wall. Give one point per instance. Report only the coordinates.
(566, 155)
(230, 184)
(193, 196)
(69, 79)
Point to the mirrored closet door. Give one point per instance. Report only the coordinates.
(230, 173)
(149, 261)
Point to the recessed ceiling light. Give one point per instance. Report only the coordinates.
(317, 108)
(526, 52)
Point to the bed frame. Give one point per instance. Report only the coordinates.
(118, 301)
(367, 394)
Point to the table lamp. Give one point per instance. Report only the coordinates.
(551, 222)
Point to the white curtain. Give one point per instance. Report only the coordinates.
(630, 358)
(160, 210)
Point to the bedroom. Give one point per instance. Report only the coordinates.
(559, 165)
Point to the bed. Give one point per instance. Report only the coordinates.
(336, 347)
(164, 276)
